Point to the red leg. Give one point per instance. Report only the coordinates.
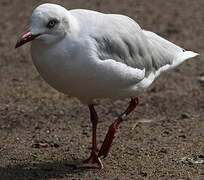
(105, 148)
(94, 121)
(93, 160)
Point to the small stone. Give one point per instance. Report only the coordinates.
(184, 116)
(55, 145)
(201, 79)
(39, 145)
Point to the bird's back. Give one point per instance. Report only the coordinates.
(116, 37)
(120, 38)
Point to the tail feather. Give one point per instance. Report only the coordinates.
(181, 57)
(166, 53)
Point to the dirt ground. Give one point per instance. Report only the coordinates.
(43, 133)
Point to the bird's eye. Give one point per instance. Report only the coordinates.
(52, 23)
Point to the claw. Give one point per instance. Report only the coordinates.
(92, 162)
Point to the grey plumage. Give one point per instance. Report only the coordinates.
(120, 38)
(128, 51)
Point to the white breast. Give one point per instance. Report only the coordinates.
(85, 78)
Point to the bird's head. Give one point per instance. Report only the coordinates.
(48, 23)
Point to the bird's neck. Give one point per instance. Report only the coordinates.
(73, 25)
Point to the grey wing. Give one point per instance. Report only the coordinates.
(122, 50)
(120, 38)
(123, 43)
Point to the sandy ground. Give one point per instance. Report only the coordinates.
(43, 133)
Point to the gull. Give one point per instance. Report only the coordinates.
(92, 55)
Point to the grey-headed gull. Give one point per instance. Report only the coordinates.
(91, 55)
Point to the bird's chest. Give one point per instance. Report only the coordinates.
(63, 69)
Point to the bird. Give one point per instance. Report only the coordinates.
(91, 55)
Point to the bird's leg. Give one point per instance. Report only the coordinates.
(93, 160)
(105, 148)
(94, 121)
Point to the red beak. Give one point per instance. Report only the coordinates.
(26, 37)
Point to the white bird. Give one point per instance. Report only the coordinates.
(91, 55)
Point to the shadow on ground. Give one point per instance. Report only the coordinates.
(41, 171)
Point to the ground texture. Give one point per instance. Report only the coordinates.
(43, 133)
